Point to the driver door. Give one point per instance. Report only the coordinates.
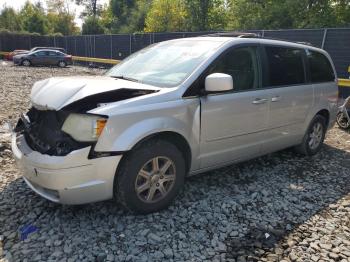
(233, 123)
(38, 57)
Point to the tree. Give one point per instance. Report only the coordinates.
(342, 12)
(126, 16)
(34, 19)
(92, 8)
(92, 26)
(166, 15)
(206, 14)
(279, 14)
(9, 19)
(312, 13)
(62, 23)
(60, 18)
(198, 13)
(121, 7)
(92, 22)
(136, 21)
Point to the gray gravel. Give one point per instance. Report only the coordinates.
(278, 207)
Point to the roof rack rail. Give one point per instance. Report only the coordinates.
(235, 34)
(253, 35)
(304, 43)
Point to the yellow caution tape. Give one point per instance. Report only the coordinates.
(96, 60)
(344, 82)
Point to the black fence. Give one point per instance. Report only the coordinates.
(334, 40)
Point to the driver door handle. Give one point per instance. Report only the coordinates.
(259, 101)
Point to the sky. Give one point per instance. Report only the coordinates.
(17, 4)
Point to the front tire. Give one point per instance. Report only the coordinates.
(314, 137)
(150, 177)
(342, 121)
(26, 62)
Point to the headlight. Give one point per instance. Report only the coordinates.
(84, 128)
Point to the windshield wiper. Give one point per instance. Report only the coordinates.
(126, 78)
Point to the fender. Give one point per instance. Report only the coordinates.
(137, 132)
(184, 121)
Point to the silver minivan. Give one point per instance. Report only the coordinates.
(173, 109)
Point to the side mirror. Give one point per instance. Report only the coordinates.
(218, 82)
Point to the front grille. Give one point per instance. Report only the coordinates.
(42, 131)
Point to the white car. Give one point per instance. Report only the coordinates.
(173, 109)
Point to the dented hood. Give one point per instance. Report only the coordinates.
(58, 92)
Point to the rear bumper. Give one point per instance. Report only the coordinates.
(71, 179)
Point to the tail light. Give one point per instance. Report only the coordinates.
(69, 57)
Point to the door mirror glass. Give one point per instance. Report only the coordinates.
(218, 82)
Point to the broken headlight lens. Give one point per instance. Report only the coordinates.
(84, 128)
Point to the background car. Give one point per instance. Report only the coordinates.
(43, 57)
(10, 55)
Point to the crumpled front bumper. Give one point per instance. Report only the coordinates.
(71, 179)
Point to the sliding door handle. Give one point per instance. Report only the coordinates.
(259, 101)
(275, 99)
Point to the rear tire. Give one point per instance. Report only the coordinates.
(26, 62)
(342, 121)
(150, 177)
(62, 64)
(314, 137)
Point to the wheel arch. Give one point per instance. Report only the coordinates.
(326, 114)
(175, 138)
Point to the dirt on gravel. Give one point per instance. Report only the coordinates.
(280, 207)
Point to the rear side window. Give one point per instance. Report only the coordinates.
(285, 66)
(320, 68)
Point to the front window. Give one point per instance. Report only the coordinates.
(40, 53)
(166, 64)
(242, 64)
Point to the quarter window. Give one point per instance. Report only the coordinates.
(285, 66)
(242, 65)
(320, 68)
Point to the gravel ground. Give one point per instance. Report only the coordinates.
(278, 207)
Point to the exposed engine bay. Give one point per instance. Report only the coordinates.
(42, 129)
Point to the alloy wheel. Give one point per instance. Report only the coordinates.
(316, 136)
(155, 179)
(26, 63)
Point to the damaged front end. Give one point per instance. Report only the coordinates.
(43, 133)
(58, 133)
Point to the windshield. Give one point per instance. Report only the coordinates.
(165, 64)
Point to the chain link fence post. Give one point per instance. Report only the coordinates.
(324, 38)
(130, 44)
